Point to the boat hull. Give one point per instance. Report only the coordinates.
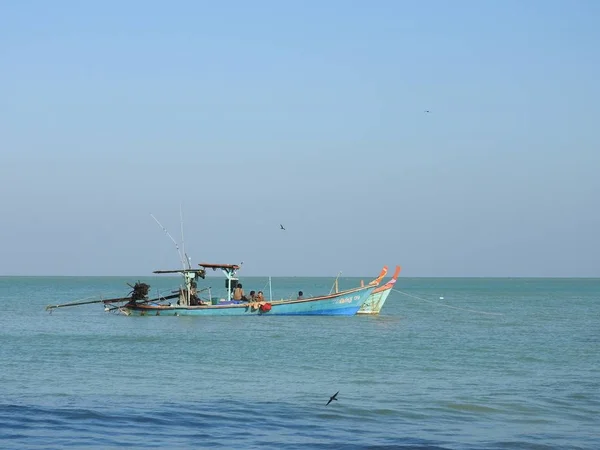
(345, 303)
(375, 302)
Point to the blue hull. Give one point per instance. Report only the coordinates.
(345, 303)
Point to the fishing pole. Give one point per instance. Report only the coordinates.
(174, 241)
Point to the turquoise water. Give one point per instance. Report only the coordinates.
(422, 375)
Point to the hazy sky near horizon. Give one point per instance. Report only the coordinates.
(310, 114)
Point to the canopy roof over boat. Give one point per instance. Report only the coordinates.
(219, 266)
(179, 271)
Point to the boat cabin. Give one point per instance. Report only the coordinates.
(188, 294)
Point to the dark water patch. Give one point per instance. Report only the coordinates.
(342, 445)
(526, 444)
(11, 436)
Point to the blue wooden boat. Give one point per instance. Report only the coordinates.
(343, 303)
(190, 303)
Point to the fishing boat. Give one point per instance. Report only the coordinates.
(377, 298)
(191, 303)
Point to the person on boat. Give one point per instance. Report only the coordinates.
(260, 297)
(252, 296)
(300, 295)
(238, 293)
(194, 299)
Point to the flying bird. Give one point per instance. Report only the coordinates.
(282, 227)
(427, 111)
(333, 397)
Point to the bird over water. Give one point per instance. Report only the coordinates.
(333, 397)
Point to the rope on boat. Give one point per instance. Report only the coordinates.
(265, 286)
(447, 306)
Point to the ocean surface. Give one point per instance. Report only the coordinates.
(494, 364)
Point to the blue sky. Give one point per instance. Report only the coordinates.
(310, 114)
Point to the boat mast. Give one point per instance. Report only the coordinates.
(187, 258)
(228, 285)
(186, 279)
(229, 273)
(335, 284)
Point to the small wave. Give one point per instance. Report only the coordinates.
(471, 407)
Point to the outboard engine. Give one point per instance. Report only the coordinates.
(140, 291)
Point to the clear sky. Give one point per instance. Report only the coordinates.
(249, 114)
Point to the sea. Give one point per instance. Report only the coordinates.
(450, 363)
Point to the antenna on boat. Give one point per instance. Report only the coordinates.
(171, 237)
(187, 258)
